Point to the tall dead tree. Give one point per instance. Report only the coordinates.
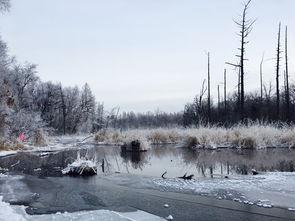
(218, 96)
(278, 74)
(224, 84)
(239, 92)
(245, 25)
(287, 77)
(261, 80)
(209, 95)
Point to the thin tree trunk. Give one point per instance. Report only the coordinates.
(287, 76)
(218, 100)
(239, 93)
(278, 75)
(261, 80)
(209, 95)
(225, 105)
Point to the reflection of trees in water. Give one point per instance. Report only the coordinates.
(137, 159)
(160, 151)
(239, 161)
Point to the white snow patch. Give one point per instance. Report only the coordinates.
(170, 217)
(17, 213)
(266, 190)
(7, 152)
(81, 163)
(8, 213)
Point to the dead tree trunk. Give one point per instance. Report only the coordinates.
(287, 77)
(261, 80)
(245, 26)
(278, 75)
(239, 93)
(225, 105)
(218, 104)
(209, 95)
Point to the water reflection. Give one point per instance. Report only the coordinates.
(176, 161)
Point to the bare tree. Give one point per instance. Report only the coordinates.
(278, 74)
(218, 96)
(245, 25)
(209, 95)
(261, 80)
(4, 5)
(287, 77)
(225, 105)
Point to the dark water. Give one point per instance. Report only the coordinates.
(176, 161)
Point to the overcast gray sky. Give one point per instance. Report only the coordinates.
(144, 54)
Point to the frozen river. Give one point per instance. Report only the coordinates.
(221, 177)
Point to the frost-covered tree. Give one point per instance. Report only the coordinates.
(87, 108)
(4, 5)
(6, 103)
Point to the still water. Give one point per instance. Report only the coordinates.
(175, 160)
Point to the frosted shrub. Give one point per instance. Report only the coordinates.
(101, 136)
(173, 136)
(116, 137)
(39, 139)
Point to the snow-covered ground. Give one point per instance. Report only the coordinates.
(7, 152)
(17, 213)
(272, 189)
(267, 190)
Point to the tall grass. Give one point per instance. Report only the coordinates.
(240, 136)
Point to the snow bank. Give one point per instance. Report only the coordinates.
(267, 190)
(7, 152)
(8, 213)
(17, 213)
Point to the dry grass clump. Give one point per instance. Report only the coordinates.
(15, 145)
(108, 136)
(239, 136)
(101, 136)
(157, 137)
(191, 142)
(116, 137)
(247, 143)
(39, 139)
(173, 136)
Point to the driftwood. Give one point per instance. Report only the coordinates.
(254, 172)
(185, 177)
(164, 175)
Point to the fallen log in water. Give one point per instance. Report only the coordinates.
(185, 177)
(164, 175)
